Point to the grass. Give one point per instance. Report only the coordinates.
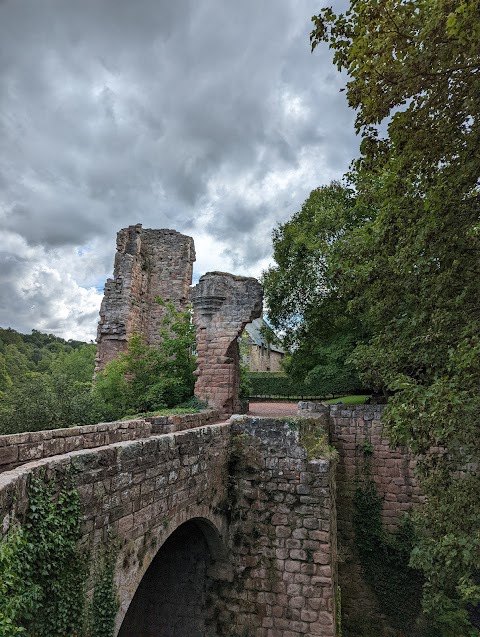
(348, 400)
(163, 412)
(191, 406)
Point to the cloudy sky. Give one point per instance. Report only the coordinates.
(211, 117)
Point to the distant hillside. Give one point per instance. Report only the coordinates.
(45, 381)
(35, 352)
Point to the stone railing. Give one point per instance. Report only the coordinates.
(17, 449)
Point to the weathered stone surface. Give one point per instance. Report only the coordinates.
(352, 429)
(280, 587)
(17, 449)
(148, 263)
(223, 305)
(145, 491)
(250, 482)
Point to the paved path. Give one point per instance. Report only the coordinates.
(273, 409)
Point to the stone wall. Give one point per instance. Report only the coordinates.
(263, 359)
(137, 491)
(148, 263)
(17, 449)
(267, 513)
(357, 432)
(282, 534)
(223, 305)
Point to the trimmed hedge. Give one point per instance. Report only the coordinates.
(278, 385)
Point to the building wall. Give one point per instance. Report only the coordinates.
(262, 359)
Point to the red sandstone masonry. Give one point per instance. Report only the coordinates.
(17, 449)
(139, 490)
(148, 263)
(223, 305)
(281, 576)
(282, 535)
(392, 469)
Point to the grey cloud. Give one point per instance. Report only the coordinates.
(114, 112)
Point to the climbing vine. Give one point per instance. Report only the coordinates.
(43, 572)
(104, 603)
(385, 557)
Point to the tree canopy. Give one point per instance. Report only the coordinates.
(303, 299)
(405, 274)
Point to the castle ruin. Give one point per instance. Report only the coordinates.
(148, 264)
(159, 263)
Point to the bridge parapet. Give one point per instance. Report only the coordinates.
(265, 506)
(18, 449)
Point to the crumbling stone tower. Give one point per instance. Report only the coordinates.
(148, 263)
(223, 304)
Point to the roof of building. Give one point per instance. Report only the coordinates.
(255, 329)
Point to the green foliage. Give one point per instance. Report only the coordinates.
(147, 378)
(104, 604)
(47, 401)
(411, 269)
(314, 439)
(385, 561)
(348, 400)
(302, 295)
(278, 385)
(42, 572)
(15, 597)
(46, 382)
(339, 611)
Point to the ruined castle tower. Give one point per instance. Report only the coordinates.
(148, 263)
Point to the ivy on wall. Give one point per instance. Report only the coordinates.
(104, 604)
(385, 557)
(43, 572)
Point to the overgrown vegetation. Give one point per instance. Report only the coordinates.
(104, 604)
(385, 561)
(313, 437)
(46, 382)
(43, 572)
(148, 378)
(387, 267)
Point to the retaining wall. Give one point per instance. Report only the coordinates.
(358, 434)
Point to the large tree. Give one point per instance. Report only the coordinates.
(303, 300)
(414, 269)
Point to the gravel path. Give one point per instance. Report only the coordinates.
(273, 409)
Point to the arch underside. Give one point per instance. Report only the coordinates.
(173, 598)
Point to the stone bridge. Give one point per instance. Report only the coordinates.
(223, 529)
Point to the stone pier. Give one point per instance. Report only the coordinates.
(223, 305)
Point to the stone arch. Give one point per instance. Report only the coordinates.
(171, 599)
(223, 305)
